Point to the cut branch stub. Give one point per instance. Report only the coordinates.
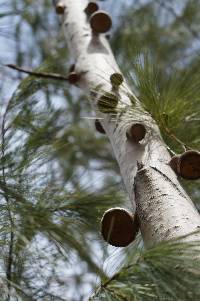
(99, 127)
(73, 77)
(118, 227)
(100, 21)
(173, 163)
(116, 80)
(136, 132)
(107, 103)
(189, 165)
(91, 8)
(60, 8)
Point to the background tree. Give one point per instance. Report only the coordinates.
(54, 166)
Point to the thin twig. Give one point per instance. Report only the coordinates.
(54, 76)
(173, 136)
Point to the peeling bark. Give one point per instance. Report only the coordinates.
(164, 209)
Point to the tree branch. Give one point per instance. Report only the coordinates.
(46, 75)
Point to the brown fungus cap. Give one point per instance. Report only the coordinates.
(99, 127)
(60, 8)
(91, 8)
(189, 165)
(118, 227)
(100, 21)
(116, 79)
(136, 132)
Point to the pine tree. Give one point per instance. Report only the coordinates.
(58, 177)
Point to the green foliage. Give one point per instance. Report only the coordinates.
(173, 100)
(107, 103)
(165, 272)
(47, 155)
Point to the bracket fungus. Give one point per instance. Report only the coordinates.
(119, 227)
(116, 80)
(100, 21)
(60, 8)
(107, 103)
(187, 165)
(99, 127)
(136, 132)
(91, 8)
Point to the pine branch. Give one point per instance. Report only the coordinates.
(10, 253)
(149, 277)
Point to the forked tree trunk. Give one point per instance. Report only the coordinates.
(165, 211)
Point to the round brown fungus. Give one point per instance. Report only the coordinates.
(136, 132)
(60, 8)
(91, 8)
(116, 79)
(189, 165)
(118, 227)
(100, 21)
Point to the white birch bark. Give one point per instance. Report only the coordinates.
(164, 209)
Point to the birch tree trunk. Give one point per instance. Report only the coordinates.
(165, 211)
